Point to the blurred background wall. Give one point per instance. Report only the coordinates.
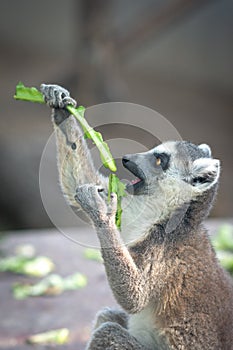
(175, 56)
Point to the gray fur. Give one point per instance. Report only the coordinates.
(111, 315)
(161, 268)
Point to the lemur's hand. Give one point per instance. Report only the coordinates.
(93, 201)
(56, 96)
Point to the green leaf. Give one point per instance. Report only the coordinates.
(116, 186)
(54, 337)
(33, 266)
(93, 254)
(96, 137)
(224, 238)
(51, 285)
(226, 260)
(76, 281)
(28, 94)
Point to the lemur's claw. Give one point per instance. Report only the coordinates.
(56, 96)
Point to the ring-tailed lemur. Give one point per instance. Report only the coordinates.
(161, 267)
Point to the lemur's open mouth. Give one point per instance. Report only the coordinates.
(135, 185)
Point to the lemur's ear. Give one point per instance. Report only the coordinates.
(205, 172)
(206, 149)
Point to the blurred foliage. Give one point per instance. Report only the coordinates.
(24, 262)
(51, 285)
(93, 254)
(54, 337)
(223, 243)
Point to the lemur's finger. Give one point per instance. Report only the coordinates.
(69, 101)
(56, 96)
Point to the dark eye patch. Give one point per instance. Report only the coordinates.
(164, 159)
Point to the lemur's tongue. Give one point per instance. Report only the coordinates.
(135, 181)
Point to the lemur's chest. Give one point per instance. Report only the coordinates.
(138, 217)
(143, 327)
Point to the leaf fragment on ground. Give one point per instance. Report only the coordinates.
(54, 337)
(51, 285)
(38, 266)
(93, 254)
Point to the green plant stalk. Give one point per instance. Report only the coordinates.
(33, 95)
(116, 186)
(96, 137)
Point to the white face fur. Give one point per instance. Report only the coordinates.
(189, 172)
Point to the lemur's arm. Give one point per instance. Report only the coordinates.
(130, 284)
(75, 164)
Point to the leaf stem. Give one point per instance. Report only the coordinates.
(96, 138)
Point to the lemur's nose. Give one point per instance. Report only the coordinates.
(125, 159)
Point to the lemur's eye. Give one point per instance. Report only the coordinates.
(162, 159)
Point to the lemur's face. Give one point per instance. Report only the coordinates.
(179, 162)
